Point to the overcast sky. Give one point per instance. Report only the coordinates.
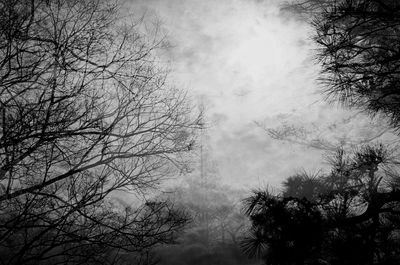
(247, 62)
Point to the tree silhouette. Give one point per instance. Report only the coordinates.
(355, 207)
(359, 54)
(347, 216)
(86, 114)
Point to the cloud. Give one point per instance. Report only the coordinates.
(249, 62)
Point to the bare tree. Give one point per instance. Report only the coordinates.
(304, 8)
(85, 110)
(347, 132)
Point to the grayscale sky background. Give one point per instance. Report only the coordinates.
(248, 62)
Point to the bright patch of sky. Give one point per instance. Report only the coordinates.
(246, 61)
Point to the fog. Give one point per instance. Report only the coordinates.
(199, 132)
